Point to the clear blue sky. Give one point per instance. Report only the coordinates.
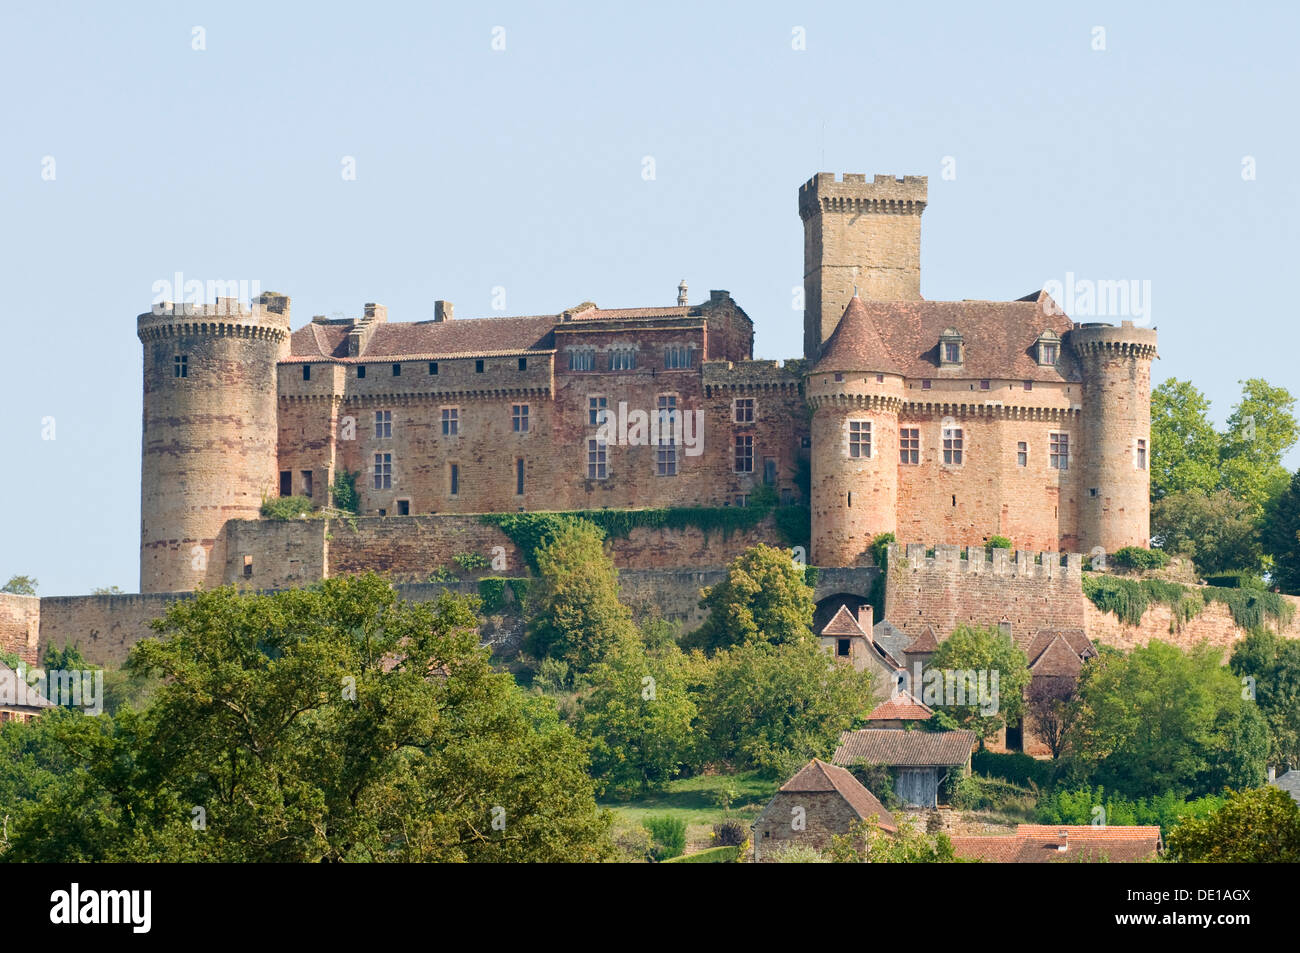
(523, 169)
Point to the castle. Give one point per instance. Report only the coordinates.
(947, 421)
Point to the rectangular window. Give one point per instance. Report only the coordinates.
(306, 372)
(984, 385)
(361, 370)
(383, 424)
(1051, 352)
(909, 446)
(925, 385)
(744, 410)
(839, 378)
(433, 368)
(582, 359)
(181, 365)
(952, 446)
(478, 367)
(860, 438)
(1022, 453)
(952, 352)
(597, 410)
(519, 476)
(744, 453)
(597, 460)
(248, 567)
(403, 507)
(519, 418)
(666, 452)
(1029, 385)
(1142, 455)
(453, 478)
(742, 499)
(450, 421)
(383, 471)
(1058, 451)
(286, 483)
(622, 359)
(842, 648)
(397, 370)
(677, 357)
(523, 363)
(307, 484)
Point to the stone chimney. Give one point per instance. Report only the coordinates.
(1272, 773)
(1063, 841)
(442, 310)
(864, 619)
(681, 293)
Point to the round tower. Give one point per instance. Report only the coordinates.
(1115, 497)
(855, 391)
(209, 438)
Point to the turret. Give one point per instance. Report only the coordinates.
(209, 437)
(859, 237)
(1115, 498)
(855, 391)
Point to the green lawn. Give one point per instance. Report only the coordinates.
(696, 801)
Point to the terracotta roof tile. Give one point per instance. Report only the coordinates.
(1058, 659)
(818, 776)
(905, 748)
(470, 337)
(843, 623)
(903, 706)
(856, 345)
(925, 642)
(1040, 844)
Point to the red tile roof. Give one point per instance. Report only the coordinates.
(998, 339)
(925, 642)
(1058, 659)
(856, 345)
(1041, 843)
(843, 623)
(915, 749)
(819, 777)
(902, 707)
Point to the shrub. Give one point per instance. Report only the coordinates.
(714, 855)
(286, 507)
(343, 492)
(998, 542)
(1135, 557)
(878, 779)
(492, 592)
(470, 562)
(729, 833)
(975, 793)
(880, 548)
(634, 845)
(1237, 580)
(668, 834)
(1012, 766)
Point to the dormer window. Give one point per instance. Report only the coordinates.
(951, 349)
(1049, 348)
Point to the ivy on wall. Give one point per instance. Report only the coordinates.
(1129, 599)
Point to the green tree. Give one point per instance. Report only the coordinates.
(1184, 444)
(985, 650)
(334, 723)
(1218, 532)
(639, 718)
(578, 618)
(764, 598)
(775, 707)
(1159, 719)
(1255, 827)
(1280, 537)
(1273, 663)
(866, 843)
(106, 591)
(20, 586)
(1261, 429)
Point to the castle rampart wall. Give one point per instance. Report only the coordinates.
(20, 620)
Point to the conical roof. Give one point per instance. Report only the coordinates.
(857, 345)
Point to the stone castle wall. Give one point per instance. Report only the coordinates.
(20, 621)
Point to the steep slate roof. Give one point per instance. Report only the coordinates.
(904, 707)
(843, 623)
(893, 640)
(1290, 783)
(1040, 843)
(998, 339)
(856, 345)
(819, 777)
(908, 749)
(1034, 646)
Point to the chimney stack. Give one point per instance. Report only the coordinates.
(442, 310)
(864, 619)
(1064, 842)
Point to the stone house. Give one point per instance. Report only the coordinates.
(818, 803)
(18, 701)
(919, 760)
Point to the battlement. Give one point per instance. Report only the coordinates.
(973, 560)
(1127, 339)
(884, 194)
(267, 315)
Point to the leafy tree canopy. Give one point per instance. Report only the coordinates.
(764, 598)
